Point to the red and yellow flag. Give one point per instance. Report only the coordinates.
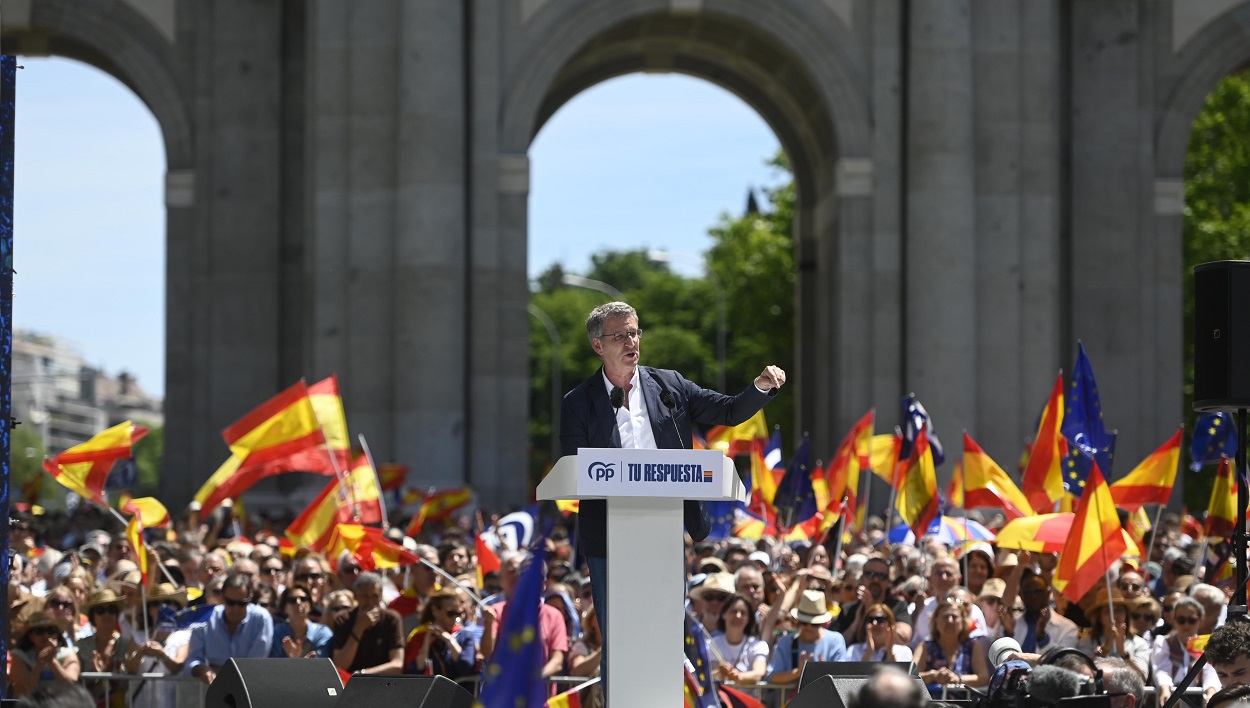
(883, 452)
(487, 561)
(150, 512)
(1043, 476)
(1151, 481)
(767, 470)
(1094, 543)
(438, 506)
(918, 502)
(739, 439)
(955, 490)
(84, 467)
(354, 500)
(1222, 511)
(568, 699)
(134, 534)
(853, 455)
(392, 475)
(369, 546)
(986, 484)
(272, 438)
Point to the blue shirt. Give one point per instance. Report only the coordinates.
(318, 636)
(830, 647)
(212, 644)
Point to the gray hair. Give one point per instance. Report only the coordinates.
(1119, 676)
(594, 322)
(1207, 594)
(1191, 604)
(369, 579)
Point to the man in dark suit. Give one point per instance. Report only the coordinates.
(632, 406)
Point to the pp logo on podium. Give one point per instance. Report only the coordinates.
(600, 471)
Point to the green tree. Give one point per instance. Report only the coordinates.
(26, 453)
(1216, 218)
(149, 454)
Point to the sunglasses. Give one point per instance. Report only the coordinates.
(1139, 617)
(338, 608)
(298, 599)
(874, 575)
(237, 603)
(272, 571)
(877, 619)
(264, 605)
(1016, 609)
(45, 631)
(60, 605)
(715, 597)
(1168, 608)
(106, 610)
(1131, 587)
(1185, 620)
(310, 576)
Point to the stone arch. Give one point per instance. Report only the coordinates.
(790, 61)
(116, 39)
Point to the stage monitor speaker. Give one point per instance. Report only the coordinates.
(1222, 335)
(275, 683)
(847, 670)
(834, 683)
(368, 691)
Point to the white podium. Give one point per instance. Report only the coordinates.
(644, 490)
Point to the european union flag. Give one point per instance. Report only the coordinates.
(193, 615)
(1082, 417)
(1215, 436)
(514, 677)
(1076, 466)
(696, 654)
(916, 417)
(795, 493)
(722, 515)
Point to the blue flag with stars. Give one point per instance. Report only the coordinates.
(1215, 436)
(1083, 426)
(916, 417)
(722, 515)
(1076, 466)
(514, 677)
(696, 654)
(795, 490)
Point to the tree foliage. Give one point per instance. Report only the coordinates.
(149, 455)
(751, 260)
(1216, 217)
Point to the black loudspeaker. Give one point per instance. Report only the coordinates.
(1222, 335)
(369, 691)
(275, 683)
(834, 683)
(848, 670)
(822, 693)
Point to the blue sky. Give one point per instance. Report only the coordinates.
(641, 161)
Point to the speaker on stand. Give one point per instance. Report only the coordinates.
(275, 683)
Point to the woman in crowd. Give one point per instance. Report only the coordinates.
(560, 596)
(949, 656)
(164, 653)
(978, 567)
(738, 643)
(81, 583)
(61, 604)
(1146, 618)
(336, 602)
(1169, 657)
(879, 644)
(299, 636)
(585, 656)
(266, 598)
(1115, 638)
(443, 647)
(42, 655)
(102, 651)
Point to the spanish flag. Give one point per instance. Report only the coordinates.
(392, 475)
(917, 501)
(84, 467)
(739, 439)
(1095, 542)
(955, 490)
(353, 500)
(883, 452)
(438, 506)
(568, 699)
(487, 561)
(986, 484)
(150, 512)
(1222, 511)
(134, 534)
(1151, 481)
(369, 546)
(1043, 476)
(767, 470)
(263, 441)
(853, 455)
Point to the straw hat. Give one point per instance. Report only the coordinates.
(994, 587)
(103, 597)
(811, 609)
(715, 562)
(1102, 599)
(41, 618)
(717, 582)
(166, 592)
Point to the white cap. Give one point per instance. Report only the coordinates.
(760, 557)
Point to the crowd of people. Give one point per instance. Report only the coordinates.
(765, 608)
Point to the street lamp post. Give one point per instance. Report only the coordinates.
(659, 256)
(557, 369)
(578, 281)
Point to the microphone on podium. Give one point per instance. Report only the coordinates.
(670, 402)
(617, 397)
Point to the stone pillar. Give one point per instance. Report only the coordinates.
(940, 263)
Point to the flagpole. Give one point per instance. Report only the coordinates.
(164, 570)
(865, 484)
(386, 522)
(467, 590)
(838, 528)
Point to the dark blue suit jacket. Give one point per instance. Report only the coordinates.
(588, 420)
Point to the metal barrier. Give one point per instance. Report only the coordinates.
(152, 691)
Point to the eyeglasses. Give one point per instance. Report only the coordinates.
(619, 337)
(1168, 608)
(45, 631)
(945, 573)
(1131, 587)
(237, 603)
(338, 608)
(60, 605)
(1185, 620)
(298, 599)
(1017, 609)
(304, 577)
(272, 571)
(874, 575)
(106, 610)
(715, 597)
(265, 605)
(877, 619)
(1139, 617)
